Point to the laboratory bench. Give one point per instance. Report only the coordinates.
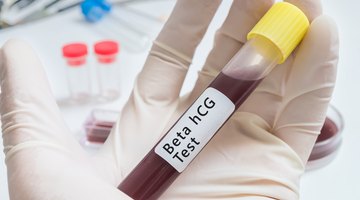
(337, 180)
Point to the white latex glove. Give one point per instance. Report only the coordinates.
(259, 153)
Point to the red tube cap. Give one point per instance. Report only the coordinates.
(74, 50)
(106, 48)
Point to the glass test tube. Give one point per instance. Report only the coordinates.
(78, 74)
(108, 70)
(106, 22)
(134, 38)
(270, 42)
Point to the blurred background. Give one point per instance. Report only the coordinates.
(92, 50)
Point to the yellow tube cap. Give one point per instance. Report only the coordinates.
(284, 25)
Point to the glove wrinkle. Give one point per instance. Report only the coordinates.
(176, 55)
(11, 151)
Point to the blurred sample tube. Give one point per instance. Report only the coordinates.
(108, 70)
(78, 74)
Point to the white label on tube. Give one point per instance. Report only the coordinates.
(195, 128)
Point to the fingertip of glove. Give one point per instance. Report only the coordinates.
(326, 26)
(324, 36)
(14, 46)
(19, 55)
(311, 8)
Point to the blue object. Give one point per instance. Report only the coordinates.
(95, 10)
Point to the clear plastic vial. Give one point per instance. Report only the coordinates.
(98, 126)
(270, 42)
(108, 70)
(78, 74)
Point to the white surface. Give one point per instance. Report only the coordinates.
(339, 180)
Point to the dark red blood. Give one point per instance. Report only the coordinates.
(105, 124)
(328, 130)
(94, 138)
(153, 175)
(99, 131)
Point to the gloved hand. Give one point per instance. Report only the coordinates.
(260, 153)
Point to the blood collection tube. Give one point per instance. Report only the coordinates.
(78, 74)
(108, 70)
(269, 43)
